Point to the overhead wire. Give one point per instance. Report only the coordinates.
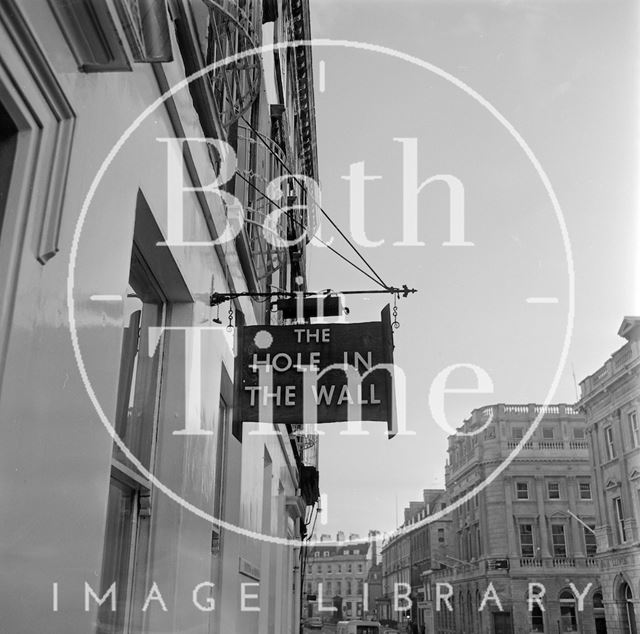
(380, 281)
(340, 255)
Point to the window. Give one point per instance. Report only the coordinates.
(329, 589)
(585, 490)
(316, 554)
(359, 567)
(635, 429)
(92, 36)
(548, 433)
(339, 567)
(139, 373)
(568, 622)
(325, 553)
(578, 433)
(630, 626)
(598, 612)
(118, 546)
(146, 27)
(345, 552)
(611, 450)
(8, 142)
(558, 541)
(128, 507)
(441, 535)
(522, 490)
(619, 515)
(517, 433)
(537, 619)
(220, 432)
(526, 540)
(553, 490)
(328, 568)
(348, 567)
(338, 587)
(590, 546)
(319, 569)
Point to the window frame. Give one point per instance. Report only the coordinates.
(634, 428)
(581, 484)
(568, 613)
(546, 430)
(555, 547)
(526, 490)
(521, 526)
(589, 536)
(609, 443)
(39, 108)
(537, 619)
(554, 483)
(141, 390)
(618, 513)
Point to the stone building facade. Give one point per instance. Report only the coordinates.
(532, 524)
(335, 576)
(610, 398)
(418, 546)
(117, 469)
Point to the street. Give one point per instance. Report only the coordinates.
(327, 628)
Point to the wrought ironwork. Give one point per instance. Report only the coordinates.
(260, 161)
(236, 83)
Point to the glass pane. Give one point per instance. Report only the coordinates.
(559, 547)
(8, 135)
(138, 386)
(116, 566)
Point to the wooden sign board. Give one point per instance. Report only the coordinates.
(316, 373)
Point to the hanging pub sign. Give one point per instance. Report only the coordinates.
(316, 373)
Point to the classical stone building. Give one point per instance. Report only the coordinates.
(610, 398)
(418, 546)
(533, 523)
(335, 577)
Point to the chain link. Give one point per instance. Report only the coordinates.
(395, 324)
(230, 326)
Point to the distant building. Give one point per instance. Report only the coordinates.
(396, 574)
(335, 575)
(611, 400)
(374, 588)
(413, 551)
(533, 523)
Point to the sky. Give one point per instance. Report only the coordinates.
(564, 75)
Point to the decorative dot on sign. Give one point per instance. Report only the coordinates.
(263, 339)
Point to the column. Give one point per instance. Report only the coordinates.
(576, 528)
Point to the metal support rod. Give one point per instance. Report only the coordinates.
(575, 517)
(220, 298)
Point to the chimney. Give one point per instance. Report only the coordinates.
(373, 545)
(340, 536)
